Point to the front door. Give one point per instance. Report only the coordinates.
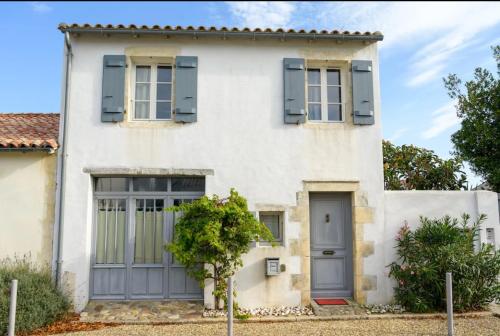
(147, 273)
(331, 245)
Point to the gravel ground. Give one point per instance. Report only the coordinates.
(464, 326)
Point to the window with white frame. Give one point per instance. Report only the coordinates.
(324, 94)
(153, 92)
(274, 222)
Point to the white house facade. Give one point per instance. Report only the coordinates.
(156, 116)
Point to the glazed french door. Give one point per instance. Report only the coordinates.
(129, 258)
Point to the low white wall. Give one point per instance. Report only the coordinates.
(401, 206)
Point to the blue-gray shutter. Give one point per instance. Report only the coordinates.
(113, 88)
(294, 90)
(362, 93)
(186, 85)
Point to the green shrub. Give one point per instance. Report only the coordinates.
(439, 246)
(216, 232)
(39, 303)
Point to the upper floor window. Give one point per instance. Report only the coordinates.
(153, 92)
(324, 98)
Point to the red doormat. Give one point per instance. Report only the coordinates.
(331, 302)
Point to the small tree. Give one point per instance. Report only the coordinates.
(413, 168)
(478, 139)
(215, 232)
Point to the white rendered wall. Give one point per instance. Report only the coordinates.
(27, 196)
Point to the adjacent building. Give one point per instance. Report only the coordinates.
(28, 159)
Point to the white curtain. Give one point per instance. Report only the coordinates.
(111, 225)
(148, 237)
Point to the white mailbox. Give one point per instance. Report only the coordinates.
(272, 266)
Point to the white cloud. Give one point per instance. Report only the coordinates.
(443, 118)
(437, 32)
(425, 76)
(398, 134)
(262, 14)
(40, 7)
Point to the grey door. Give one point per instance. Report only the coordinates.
(148, 274)
(331, 245)
(109, 265)
(180, 284)
(154, 272)
(129, 260)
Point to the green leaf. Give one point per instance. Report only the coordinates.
(212, 235)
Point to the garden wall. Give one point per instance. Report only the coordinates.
(401, 206)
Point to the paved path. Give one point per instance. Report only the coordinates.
(141, 311)
(481, 326)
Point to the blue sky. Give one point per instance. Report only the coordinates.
(423, 42)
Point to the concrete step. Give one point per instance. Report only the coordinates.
(352, 308)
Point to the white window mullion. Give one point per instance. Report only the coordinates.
(152, 97)
(324, 95)
(132, 92)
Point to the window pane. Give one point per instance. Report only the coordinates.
(143, 73)
(100, 254)
(188, 184)
(273, 224)
(150, 184)
(149, 226)
(333, 77)
(163, 110)
(121, 217)
(314, 111)
(148, 245)
(177, 216)
(334, 112)
(141, 91)
(139, 232)
(179, 201)
(110, 233)
(334, 94)
(314, 94)
(142, 110)
(164, 92)
(158, 236)
(111, 184)
(111, 225)
(313, 76)
(164, 74)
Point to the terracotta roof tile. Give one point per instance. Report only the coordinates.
(133, 28)
(29, 130)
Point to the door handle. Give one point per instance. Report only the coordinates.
(328, 252)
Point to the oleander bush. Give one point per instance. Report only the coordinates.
(445, 245)
(39, 302)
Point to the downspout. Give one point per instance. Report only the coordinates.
(63, 126)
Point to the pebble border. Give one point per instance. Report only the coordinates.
(278, 319)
